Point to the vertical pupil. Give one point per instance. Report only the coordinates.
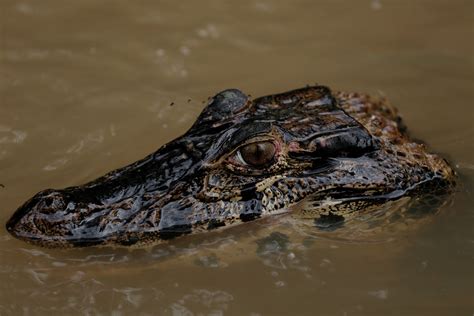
(259, 151)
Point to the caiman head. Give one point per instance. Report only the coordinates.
(241, 160)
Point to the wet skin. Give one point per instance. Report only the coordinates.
(241, 160)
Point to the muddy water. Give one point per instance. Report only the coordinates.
(86, 87)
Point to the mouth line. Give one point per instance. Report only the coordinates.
(342, 195)
(333, 195)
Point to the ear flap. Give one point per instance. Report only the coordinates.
(223, 105)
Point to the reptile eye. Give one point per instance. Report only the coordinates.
(258, 154)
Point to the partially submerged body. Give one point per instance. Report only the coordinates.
(245, 159)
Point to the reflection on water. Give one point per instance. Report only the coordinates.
(86, 87)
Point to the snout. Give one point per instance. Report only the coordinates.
(40, 218)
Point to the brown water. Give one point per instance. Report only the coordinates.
(86, 87)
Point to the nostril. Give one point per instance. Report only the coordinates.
(38, 216)
(45, 202)
(50, 203)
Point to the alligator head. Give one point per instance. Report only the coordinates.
(241, 160)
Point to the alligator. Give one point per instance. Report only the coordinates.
(241, 160)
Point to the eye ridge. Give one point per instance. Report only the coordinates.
(258, 154)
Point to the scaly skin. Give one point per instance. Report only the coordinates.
(342, 151)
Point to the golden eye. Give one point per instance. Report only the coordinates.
(258, 154)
